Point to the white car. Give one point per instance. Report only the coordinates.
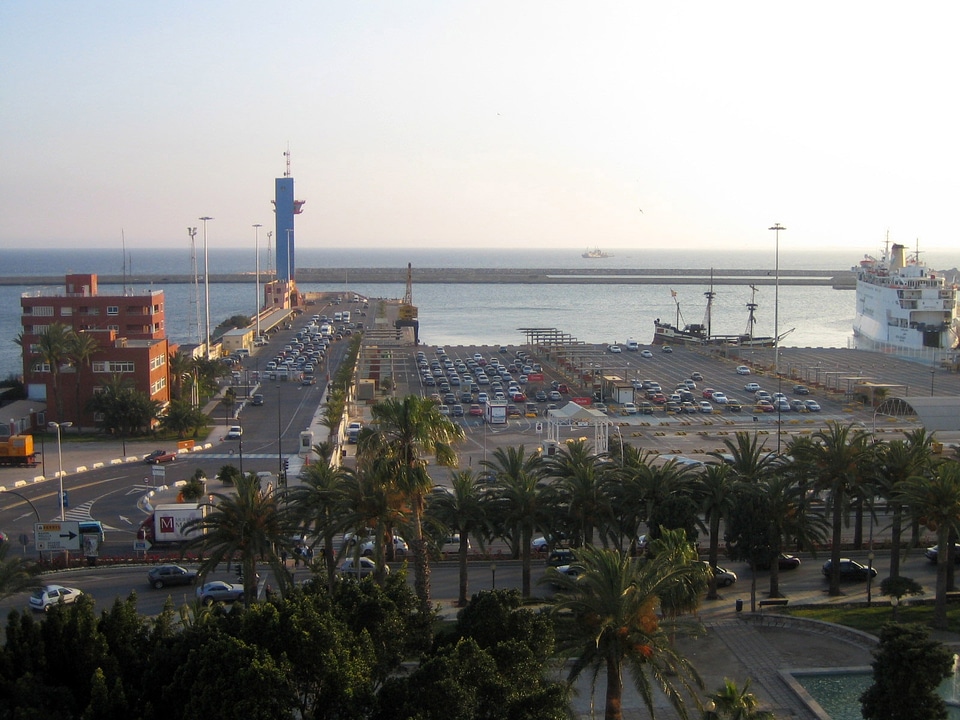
(705, 406)
(614, 349)
(646, 354)
(46, 597)
(719, 398)
(743, 370)
(399, 547)
(629, 408)
(751, 387)
(234, 433)
(365, 568)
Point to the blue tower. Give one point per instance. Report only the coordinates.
(285, 207)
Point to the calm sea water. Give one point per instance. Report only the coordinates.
(478, 314)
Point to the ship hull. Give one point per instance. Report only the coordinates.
(666, 334)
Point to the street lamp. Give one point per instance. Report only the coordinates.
(192, 232)
(933, 372)
(493, 576)
(777, 227)
(257, 306)
(60, 457)
(279, 435)
(206, 281)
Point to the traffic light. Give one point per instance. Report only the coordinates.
(286, 465)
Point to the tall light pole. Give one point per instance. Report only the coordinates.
(257, 306)
(289, 230)
(206, 283)
(777, 227)
(60, 458)
(279, 437)
(192, 232)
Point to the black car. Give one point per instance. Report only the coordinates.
(784, 562)
(850, 570)
(164, 575)
(801, 390)
(560, 556)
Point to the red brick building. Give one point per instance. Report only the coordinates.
(130, 335)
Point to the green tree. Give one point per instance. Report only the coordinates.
(738, 703)
(935, 501)
(607, 619)
(579, 476)
(248, 525)
(319, 502)
(181, 370)
(463, 510)
(406, 432)
(229, 474)
(81, 348)
(907, 668)
(16, 574)
(182, 418)
(714, 489)
(518, 503)
(747, 456)
(838, 459)
(53, 348)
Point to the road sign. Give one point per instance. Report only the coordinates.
(159, 472)
(62, 535)
(141, 545)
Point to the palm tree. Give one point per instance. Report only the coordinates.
(580, 477)
(519, 500)
(318, 501)
(748, 457)
(898, 461)
(181, 367)
(249, 524)
(16, 574)
(81, 348)
(837, 460)
(659, 483)
(464, 511)
(627, 491)
(738, 703)
(606, 618)
(935, 501)
(52, 347)
(404, 432)
(714, 490)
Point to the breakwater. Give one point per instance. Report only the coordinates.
(838, 279)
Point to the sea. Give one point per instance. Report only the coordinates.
(475, 314)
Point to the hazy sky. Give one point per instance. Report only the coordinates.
(494, 123)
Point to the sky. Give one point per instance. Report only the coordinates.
(499, 124)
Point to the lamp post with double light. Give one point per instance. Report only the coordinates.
(206, 284)
(257, 306)
(60, 459)
(777, 227)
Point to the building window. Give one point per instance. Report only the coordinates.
(66, 311)
(113, 366)
(115, 328)
(41, 310)
(113, 310)
(158, 362)
(41, 367)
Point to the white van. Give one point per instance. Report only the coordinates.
(338, 317)
(345, 316)
(632, 345)
(245, 352)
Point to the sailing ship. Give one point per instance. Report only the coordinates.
(902, 305)
(677, 333)
(595, 254)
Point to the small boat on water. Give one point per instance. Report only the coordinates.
(678, 333)
(902, 305)
(595, 254)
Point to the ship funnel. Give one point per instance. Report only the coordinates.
(897, 257)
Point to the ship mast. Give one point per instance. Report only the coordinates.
(751, 307)
(708, 314)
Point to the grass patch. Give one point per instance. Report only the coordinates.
(871, 619)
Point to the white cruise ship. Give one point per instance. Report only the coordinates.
(903, 306)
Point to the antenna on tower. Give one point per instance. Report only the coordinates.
(123, 249)
(287, 156)
(269, 253)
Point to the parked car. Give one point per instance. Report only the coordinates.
(629, 408)
(719, 398)
(614, 349)
(812, 405)
(560, 556)
(399, 547)
(363, 569)
(572, 571)
(734, 405)
(724, 577)
(743, 370)
(646, 354)
(849, 570)
(234, 433)
(801, 390)
(784, 562)
(751, 387)
(219, 591)
(705, 406)
(164, 575)
(48, 596)
(666, 349)
(160, 456)
(932, 553)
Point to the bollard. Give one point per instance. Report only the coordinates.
(739, 605)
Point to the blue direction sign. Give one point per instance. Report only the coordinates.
(60, 535)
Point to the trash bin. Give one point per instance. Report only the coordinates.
(739, 605)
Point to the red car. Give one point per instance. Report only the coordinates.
(476, 409)
(658, 398)
(160, 456)
(518, 397)
(708, 393)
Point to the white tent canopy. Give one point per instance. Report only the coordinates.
(573, 415)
